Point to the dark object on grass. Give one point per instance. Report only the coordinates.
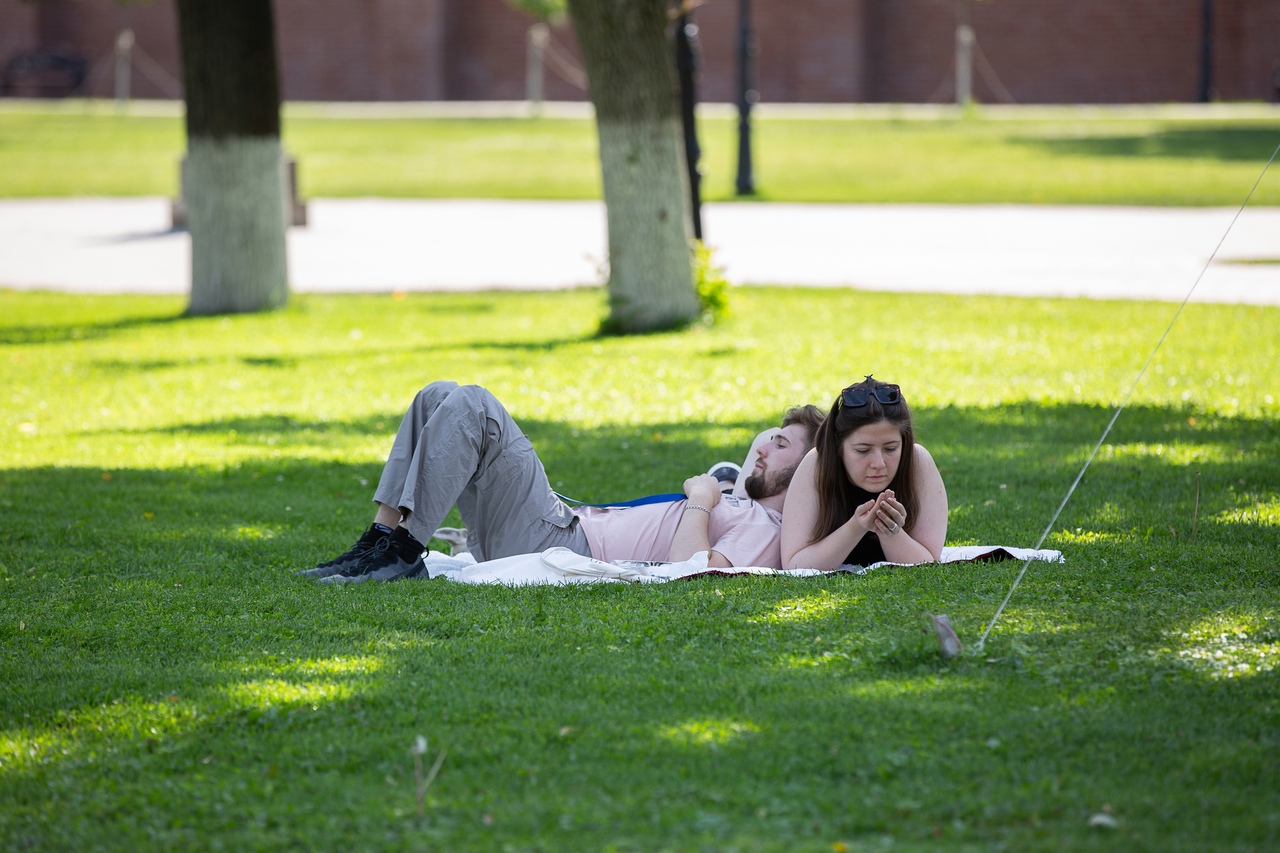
(727, 473)
(364, 545)
(947, 638)
(395, 557)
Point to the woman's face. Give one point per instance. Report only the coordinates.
(871, 455)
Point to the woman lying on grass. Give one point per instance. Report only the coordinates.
(866, 492)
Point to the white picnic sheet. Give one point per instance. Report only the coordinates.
(562, 566)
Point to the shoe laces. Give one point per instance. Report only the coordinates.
(366, 559)
(363, 545)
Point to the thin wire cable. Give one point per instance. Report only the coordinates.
(1132, 387)
(563, 66)
(156, 73)
(988, 72)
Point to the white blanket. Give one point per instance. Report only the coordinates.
(562, 566)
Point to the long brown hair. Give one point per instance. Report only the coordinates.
(836, 496)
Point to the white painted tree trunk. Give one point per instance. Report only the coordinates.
(628, 55)
(650, 233)
(236, 216)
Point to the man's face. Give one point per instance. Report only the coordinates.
(778, 459)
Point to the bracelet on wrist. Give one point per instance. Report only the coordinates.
(695, 506)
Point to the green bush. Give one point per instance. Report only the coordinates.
(713, 287)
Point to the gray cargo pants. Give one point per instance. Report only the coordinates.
(459, 445)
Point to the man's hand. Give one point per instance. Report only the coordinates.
(691, 534)
(702, 490)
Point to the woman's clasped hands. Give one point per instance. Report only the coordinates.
(883, 516)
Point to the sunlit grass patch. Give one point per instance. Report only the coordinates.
(1228, 645)
(255, 532)
(810, 607)
(336, 666)
(1080, 536)
(90, 733)
(710, 733)
(1174, 453)
(266, 693)
(806, 661)
(905, 687)
(1263, 513)
(1037, 621)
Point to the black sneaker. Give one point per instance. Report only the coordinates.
(727, 473)
(365, 544)
(397, 557)
(398, 568)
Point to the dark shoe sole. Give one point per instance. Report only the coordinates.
(399, 571)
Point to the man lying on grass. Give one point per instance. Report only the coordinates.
(459, 445)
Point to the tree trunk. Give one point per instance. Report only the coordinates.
(628, 58)
(233, 178)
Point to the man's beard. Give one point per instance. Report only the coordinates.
(759, 486)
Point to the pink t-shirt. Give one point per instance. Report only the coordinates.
(746, 533)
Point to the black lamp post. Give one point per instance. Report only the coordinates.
(1206, 51)
(686, 67)
(746, 97)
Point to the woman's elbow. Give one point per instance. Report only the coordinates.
(791, 560)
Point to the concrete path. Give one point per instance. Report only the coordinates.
(126, 245)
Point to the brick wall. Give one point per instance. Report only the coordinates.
(489, 53)
(1069, 51)
(88, 29)
(813, 51)
(910, 50)
(1040, 51)
(1248, 62)
(373, 50)
(17, 29)
(1051, 51)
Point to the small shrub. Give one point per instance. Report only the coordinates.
(713, 287)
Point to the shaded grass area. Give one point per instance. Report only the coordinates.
(175, 686)
(1097, 161)
(1063, 157)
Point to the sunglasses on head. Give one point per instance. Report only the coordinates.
(855, 397)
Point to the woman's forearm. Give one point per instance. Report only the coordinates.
(901, 548)
(830, 551)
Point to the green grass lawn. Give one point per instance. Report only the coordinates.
(1060, 156)
(170, 685)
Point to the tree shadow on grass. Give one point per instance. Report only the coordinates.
(1011, 465)
(1006, 468)
(79, 332)
(162, 643)
(789, 710)
(1235, 143)
(343, 358)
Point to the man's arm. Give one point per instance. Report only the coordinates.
(703, 492)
